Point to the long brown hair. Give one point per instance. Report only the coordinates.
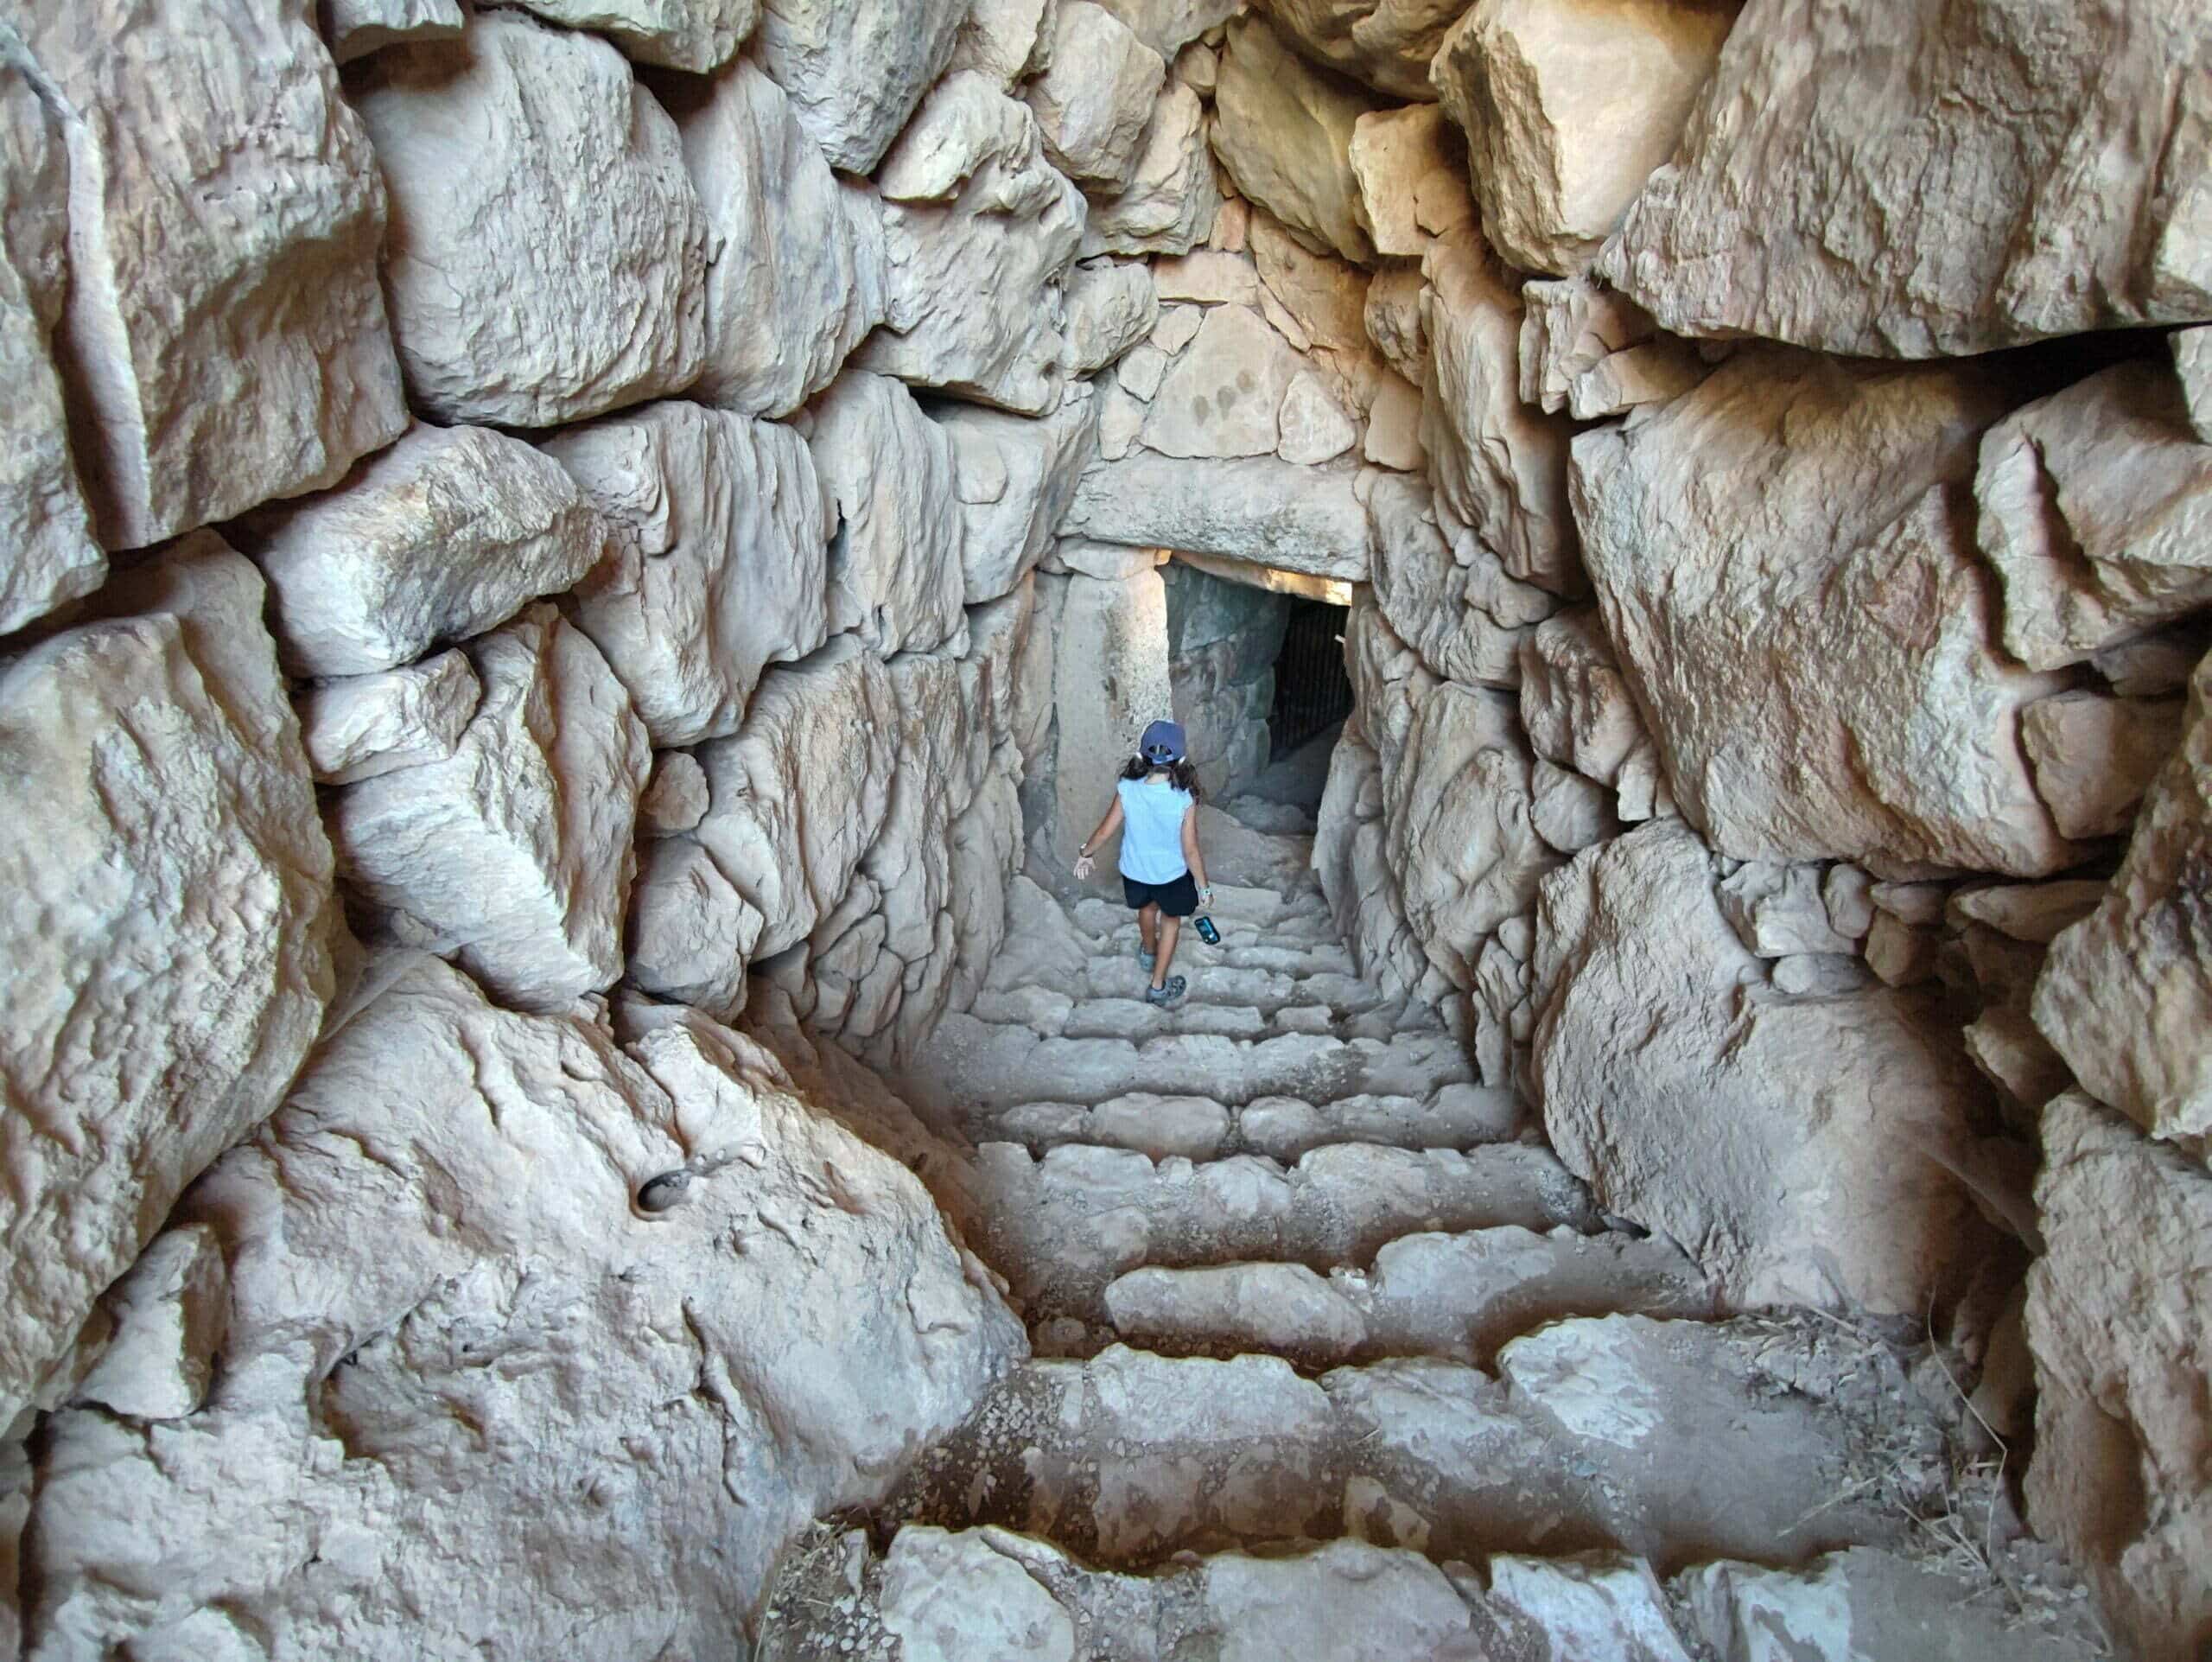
(1180, 774)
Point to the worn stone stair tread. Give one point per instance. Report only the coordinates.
(1381, 1025)
(1320, 958)
(969, 1065)
(1676, 1441)
(1458, 1116)
(1458, 1297)
(959, 1595)
(1063, 1226)
(1134, 1019)
(1043, 1010)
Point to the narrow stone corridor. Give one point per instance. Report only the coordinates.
(575, 576)
(1299, 1287)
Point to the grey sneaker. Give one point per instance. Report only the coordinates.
(1146, 959)
(1171, 994)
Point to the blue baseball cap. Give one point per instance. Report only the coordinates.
(1162, 741)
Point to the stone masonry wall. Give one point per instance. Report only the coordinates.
(555, 559)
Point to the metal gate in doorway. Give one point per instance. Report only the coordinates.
(1312, 692)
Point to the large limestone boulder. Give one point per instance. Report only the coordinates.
(2192, 358)
(45, 527)
(451, 530)
(2126, 995)
(855, 69)
(513, 855)
(1260, 509)
(2118, 1317)
(222, 357)
(1466, 622)
(979, 232)
(1348, 861)
(1412, 168)
(798, 795)
(1225, 395)
(1170, 202)
(518, 297)
(1569, 108)
(1111, 306)
(1389, 44)
(700, 35)
(1499, 466)
(1110, 677)
(717, 563)
(1169, 26)
(1095, 102)
(1575, 704)
(356, 27)
(2094, 756)
(1015, 478)
(682, 1313)
(1592, 352)
(165, 915)
(1931, 179)
(362, 725)
(882, 958)
(798, 283)
(1314, 427)
(2096, 510)
(1320, 303)
(1283, 130)
(691, 933)
(1457, 798)
(895, 574)
(1842, 538)
(1003, 39)
(1841, 1117)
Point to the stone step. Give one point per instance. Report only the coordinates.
(1458, 1296)
(969, 1065)
(986, 1595)
(1283, 1128)
(1299, 932)
(1676, 1442)
(1116, 970)
(1047, 1007)
(1063, 1227)
(1134, 1019)
(1302, 913)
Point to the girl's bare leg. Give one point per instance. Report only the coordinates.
(1148, 926)
(1171, 930)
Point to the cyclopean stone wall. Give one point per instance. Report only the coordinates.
(551, 575)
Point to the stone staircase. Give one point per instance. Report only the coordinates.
(1286, 1163)
(1293, 1277)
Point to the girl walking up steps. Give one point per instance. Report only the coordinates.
(1163, 875)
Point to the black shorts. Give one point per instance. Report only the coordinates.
(1178, 898)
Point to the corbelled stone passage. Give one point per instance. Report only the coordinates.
(573, 576)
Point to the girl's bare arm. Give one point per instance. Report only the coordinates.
(1107, 827)
(1192, 857)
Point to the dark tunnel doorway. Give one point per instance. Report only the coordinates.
(1313, 694)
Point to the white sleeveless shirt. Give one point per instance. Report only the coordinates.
(1152, 830)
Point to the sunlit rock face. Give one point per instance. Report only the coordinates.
(517, 299)
(225, 329)
(1928, 179)
(168, 928)
(574, 575)
(569, 1243)
(1848, 543)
